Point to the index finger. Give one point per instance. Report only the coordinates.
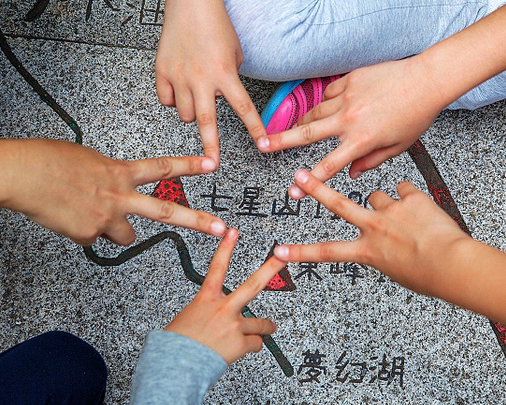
(332, 200)
(255, 283)
(240, 101)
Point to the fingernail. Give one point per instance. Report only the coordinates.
(232, 233)
(295, 125)
(263, 143)
(218, 228)
(281, 252)
(301, 176)
(357, 175)
(295, 192)
(208, 165)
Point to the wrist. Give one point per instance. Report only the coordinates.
(472, 275)
(439, 88)
(468, 58)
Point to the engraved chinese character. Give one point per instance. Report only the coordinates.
(308, 269)
(90, 4)
(351, 270)
(249, 203)
(397, 370)
(286, 209)
(360, 372)
(356, 196)
(341, 365)
(312, 366)
(385, 373)
(214, 196)
(152, 12)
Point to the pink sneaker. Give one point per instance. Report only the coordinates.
(292, 100)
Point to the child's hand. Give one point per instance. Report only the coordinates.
(413, 241)
(377, 112)
(214, 319)
(82, 194)
(198, 60)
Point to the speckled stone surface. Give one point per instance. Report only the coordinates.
(99, 67)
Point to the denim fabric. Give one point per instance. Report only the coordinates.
(286, 40)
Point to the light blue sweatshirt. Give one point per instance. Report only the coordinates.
(174, 369)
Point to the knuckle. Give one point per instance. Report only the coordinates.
(177, 71)
(194, 165)
(326, 252)
(162, 71)
(295, 253)
(311, 187)
(244, 107)
(257, 131)
(239, 57)
(211, 150)
(165, 100)
(119, 169)
(166, 210)
(186, 116)
(378, 225)
(307, 133)
(88, 235)
(165, 166)
(373, 197)
(318, 112)
(365, 255)
(330, 90)
(86, 239)
(205, 119)
(130, 238)
(203, 220)
(337, 202)
(264, 326)
(225, 71)
(329, 167)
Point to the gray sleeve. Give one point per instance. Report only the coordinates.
(174, 369)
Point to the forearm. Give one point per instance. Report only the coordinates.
(473, 276)
(468, 58)
(11, 160)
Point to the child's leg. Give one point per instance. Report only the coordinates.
(286, 40)
(52, 368)
(487, 93)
